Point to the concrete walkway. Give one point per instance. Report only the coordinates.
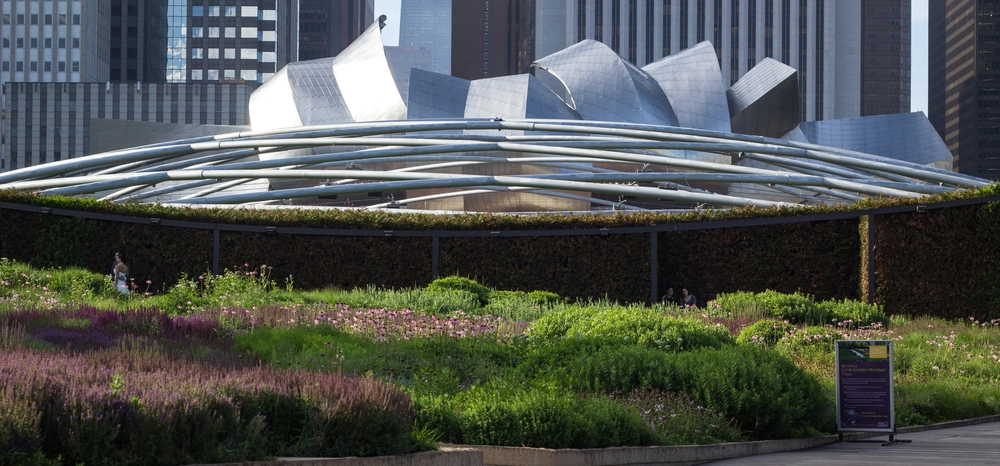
(969, 445)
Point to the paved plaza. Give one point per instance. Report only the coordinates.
(969, 445)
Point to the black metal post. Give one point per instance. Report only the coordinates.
(653, 265)
(215, 251)
(434, 257)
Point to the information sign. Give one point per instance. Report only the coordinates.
(865, 399)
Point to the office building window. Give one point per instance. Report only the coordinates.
(213, 53)
(196, 31)
(230, 74)
(196, 53)
(248, 54)
(62, 20)
(47, 66)
(48, 20)
(249, 12)
(197, 11)
(34, 19)
(62, 66)
(196, 75)
(213, 11)
(19, 66)
(76, 43)
(6, 66)
(34, 43)
(248, 75)
(230, 11)
(34, 66)
(230, 54)
(20, 43)
(248, 33)
(213, 32)
(48, 43)
(76, 19)
(213, 75)
(76, 66)
(230, 32)
(62, 42)
(20, 19)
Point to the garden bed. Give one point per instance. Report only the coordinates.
(237, 368)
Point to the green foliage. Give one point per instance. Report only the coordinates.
(767, 395)
(797, 308)
(857, 312)
(456, 283)
(630, 326)
(502, 413)
(678, 419)
(763, 332)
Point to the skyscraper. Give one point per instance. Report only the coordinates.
(327, 26)
(885, 57)
(427, 24)
(964, 82)
(55, 41)
(492, 38)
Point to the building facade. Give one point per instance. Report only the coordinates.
(963, 82)
(55, 41)
(427, 24)
(46, 122)
(507, 31)
(819, 38)
(327, 26)
(885, 57)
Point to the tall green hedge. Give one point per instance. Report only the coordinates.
(943, 262)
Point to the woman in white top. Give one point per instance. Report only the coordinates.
(120, 275)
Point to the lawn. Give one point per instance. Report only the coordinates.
(238, 367)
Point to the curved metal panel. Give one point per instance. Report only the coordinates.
(604, 86)
(365, 81)
(902, 136)
(692, 81)
(436, 95)
(272, 105)
(765, 101)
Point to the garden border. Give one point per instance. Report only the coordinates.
(454, 457)
(652, 230)
(682, 455)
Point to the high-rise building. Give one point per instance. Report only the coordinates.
(54, 41)
(471, 39)
(820, 38)
(232, 41)
(327, 26)
(427, 24)
(492, 38)
(963, 82)
(885, 57)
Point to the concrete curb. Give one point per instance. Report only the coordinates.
(452, 457)
(674, 455)
(477, 455)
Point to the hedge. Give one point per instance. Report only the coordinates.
(941, 262)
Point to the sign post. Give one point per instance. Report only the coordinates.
(865, 390)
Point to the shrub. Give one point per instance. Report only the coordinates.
(502, 413)
(767, 395)
(632, 326)
(796, 308)
(456, 282)
(593, 365)
(763, 332)
(857, 312)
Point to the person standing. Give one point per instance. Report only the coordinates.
(120, 273)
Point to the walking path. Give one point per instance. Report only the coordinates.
(969, 445)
